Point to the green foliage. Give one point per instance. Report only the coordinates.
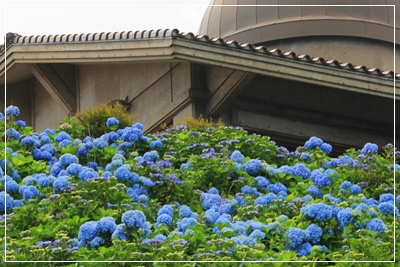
(92, 122)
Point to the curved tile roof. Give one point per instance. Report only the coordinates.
(15, 39)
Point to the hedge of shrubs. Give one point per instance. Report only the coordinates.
(219, 194)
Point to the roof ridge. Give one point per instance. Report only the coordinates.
(14, 38)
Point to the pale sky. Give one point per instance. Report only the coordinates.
(45, 17)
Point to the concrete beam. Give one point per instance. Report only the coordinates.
(227, 90)
(55, 84)
(293, 128)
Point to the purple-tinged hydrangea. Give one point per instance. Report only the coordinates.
(88, 231)
(112, 121)
(106, 225)
(301, 170)
(134, 218)
(295, 236)
(252, 166)
(376, 225)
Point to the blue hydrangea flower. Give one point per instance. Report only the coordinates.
(156, 144)
(211, 200)
(355, 189)
(87, 231)
(97, 241)
(122, 174)
(295, 236)
(146, 181)
(304, 249)
(387, 198)
(60, 183)
(12, 111)
(314, 191)
(151, 156)
(185, 211)
(345, 184)
(388, 208)
(376, 225)
(313, 142)
(13, 133)
(313, 233)
(8, 204)
(257, 234)
(106, 225)
(345, 216)
(29, 141)
(211, 216)
(186, 166)
(164, 219)
(185, 222)
(74, 168)
(11, 186)
(67, 159)
(88, 174)
(213, 190)
(62, 136)
(43, 181)
(134, 218)
(252, 166)
(322, 180)
(237, 157)
(112, 121)
(100, 143)
(261, 182)
(119, 233)
(224, 208)
(301, 170)
(265, 200)
(327, 148)
(249, 190)
(370, 148)
(166, 209)
(320, 211)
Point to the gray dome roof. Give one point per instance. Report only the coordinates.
(260, 24)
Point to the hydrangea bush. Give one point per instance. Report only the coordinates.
(186, 195)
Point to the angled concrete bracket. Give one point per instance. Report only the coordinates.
(227, 90)
(59, 80)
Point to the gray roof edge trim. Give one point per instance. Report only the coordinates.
(15, 39)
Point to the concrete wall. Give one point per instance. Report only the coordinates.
(157, 91)
(47, 113)
(20, 95)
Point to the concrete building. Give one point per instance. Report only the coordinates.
(166, 75)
